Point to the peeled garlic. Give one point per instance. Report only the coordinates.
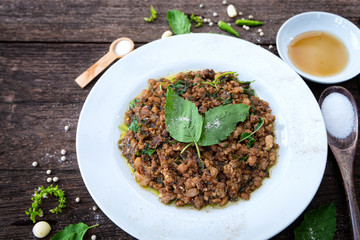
(231, 11)
(166, 34)
(41, 229)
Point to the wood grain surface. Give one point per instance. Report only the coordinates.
(45, 45)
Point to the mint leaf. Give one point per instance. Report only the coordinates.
(183, 121)
(178, 21)
(318, 224)
(73, 232)
(220, 121)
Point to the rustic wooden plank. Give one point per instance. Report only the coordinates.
(104, 21)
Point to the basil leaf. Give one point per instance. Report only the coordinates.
(178, 21)
(220, 122)
(134, 125)
(318, 224)
(73, 231)
(183, 121)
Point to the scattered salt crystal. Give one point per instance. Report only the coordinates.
(48, 172)
(215, 14)
(94, 208)
(338, 115)
(77, 199)
(201, 5)
(49, 179)
(211, 24)
(63, 158)
(63, 151)
(93, 237)
(261, 34)
(34, 164)
(66, 128)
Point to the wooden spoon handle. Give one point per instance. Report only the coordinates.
(347, 174)
(95, 69)
(354, 209)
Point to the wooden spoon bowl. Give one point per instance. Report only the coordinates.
(344, 151)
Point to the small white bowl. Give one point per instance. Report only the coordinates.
(343, 29)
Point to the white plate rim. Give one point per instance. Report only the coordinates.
(135, 210)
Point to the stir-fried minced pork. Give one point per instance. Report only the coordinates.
(226, 171)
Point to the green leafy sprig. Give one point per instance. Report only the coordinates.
(43, 193)
(73, 232)
(248, 136)
(197, 19)
(217, 80)
(153, 15)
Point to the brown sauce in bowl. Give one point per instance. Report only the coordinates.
(318, 53)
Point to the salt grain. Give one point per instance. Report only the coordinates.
(63, 151)
(77, 199)
(63, 158)
(55, 179)
(338, 114)
(49, 180)
(94, 208)
(48, 172)
(66, 128)
(93, 237)
(34, 164)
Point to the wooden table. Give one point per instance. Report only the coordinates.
(45, 45)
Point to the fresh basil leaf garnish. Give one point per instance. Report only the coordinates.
(178, 21)
(220, 121)
(318, 224)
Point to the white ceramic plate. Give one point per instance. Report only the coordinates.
(338, 26)
(282, 198)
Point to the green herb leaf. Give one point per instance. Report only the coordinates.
(247, 135)
(73, 232)
(318, 224)
(153, 15)
(42, 193)
(220, 121)
(132, 104)
(183, 121)
(178, 21)
(197, 20)
(148, 151)
(134, 126)
(180, 87)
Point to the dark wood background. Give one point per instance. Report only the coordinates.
(46, 44)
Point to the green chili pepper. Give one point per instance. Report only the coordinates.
(251, 23)
(226, 27)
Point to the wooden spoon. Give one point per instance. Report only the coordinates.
(116, 51)
(344, 151)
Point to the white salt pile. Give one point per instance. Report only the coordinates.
(123, 47)
(338, 114)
